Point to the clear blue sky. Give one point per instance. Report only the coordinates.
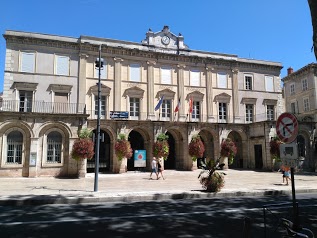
(274, 30)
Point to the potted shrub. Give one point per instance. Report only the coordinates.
(196, 148)
(228, 150)
(123, 148)
(210, 179)
(161, 147)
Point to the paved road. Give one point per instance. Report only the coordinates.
(216, 217)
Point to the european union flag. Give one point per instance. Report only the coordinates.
(159, 103)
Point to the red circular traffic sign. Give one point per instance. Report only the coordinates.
(287, 127)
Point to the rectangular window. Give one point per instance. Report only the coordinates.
(248, 82)
(304, 84)
(27, 62)
(269, 87)
(293, 107)
(53, 151)
(166, 110)
(270, 112)
(61, 103)
(103, 71)
(102, 105)
(135, 73)
(62, 65)
(249, 113)
(292, 89)
(306, 104)
(222, 112)
(222, 80)
(194, 78)
(26, 101)
(166, 76)
(134, 108)
(196, 111)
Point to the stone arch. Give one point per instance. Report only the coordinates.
(238, 137)
(24, 128)
(139, 139)
(178, 157)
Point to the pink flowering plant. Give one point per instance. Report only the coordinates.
(228, 149)
(123, 148)
(161, 146)
(196, 148)
(83, 147)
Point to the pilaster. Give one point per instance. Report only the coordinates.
(150, 90)
(117, 84)
(209, 93)
(235, 95)
(82, 79)
(180, 90)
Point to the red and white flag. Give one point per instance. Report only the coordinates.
(190, 110)
(178, 105)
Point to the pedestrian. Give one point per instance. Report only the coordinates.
(160, 166)
(287, 174)
(154, 168)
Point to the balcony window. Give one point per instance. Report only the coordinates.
(196, 111)
(270, 112)
(222, 112)
(102, 105)
(249, 113)
(26, 98)
(134, 108)
(166, 110)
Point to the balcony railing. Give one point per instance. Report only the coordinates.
(42, 107)
(175, 117)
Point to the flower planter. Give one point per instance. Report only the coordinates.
(81, 168)
(123, 165)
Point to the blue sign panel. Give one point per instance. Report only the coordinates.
(116, 114)
(140, 158)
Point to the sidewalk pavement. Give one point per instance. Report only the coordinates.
(136, 186)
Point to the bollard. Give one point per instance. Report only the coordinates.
(246, 227)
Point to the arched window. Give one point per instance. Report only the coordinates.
(54, 147)
(14, 149)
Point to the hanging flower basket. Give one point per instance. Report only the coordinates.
(161, 147)
(228, 149)
(83, 149)
(196, 148)
(123, 148)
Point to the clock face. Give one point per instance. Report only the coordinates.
(165, 40)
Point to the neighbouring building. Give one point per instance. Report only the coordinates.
(51, 92)
(300, 92)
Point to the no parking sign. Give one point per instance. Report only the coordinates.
(287, 127)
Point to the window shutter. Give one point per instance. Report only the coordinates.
(222, 80)
(194, 78)
(62, 65)
(269, 83)
(166, 76)
(135, 72)
(28, 62)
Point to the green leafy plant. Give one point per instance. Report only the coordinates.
(210, 179)
(275, 148)
(196, 148)
(228, 149)
(161, 146)
(123, 148)
(83, 148)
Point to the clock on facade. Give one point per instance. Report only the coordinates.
(165, 40)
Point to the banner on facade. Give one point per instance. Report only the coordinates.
(139, 158)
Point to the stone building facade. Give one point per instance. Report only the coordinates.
(300, 90)
(51, 92)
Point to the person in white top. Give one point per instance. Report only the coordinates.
(154, 168)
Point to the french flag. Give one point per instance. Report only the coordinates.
(178, 105)
(159, 103)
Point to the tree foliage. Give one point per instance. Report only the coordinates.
(313, 11)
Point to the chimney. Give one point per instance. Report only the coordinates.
(290, 70)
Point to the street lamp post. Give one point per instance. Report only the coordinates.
(99, 65)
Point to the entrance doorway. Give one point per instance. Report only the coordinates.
(258, 156)
(137, 143)
(104, 154)
(171, 161)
